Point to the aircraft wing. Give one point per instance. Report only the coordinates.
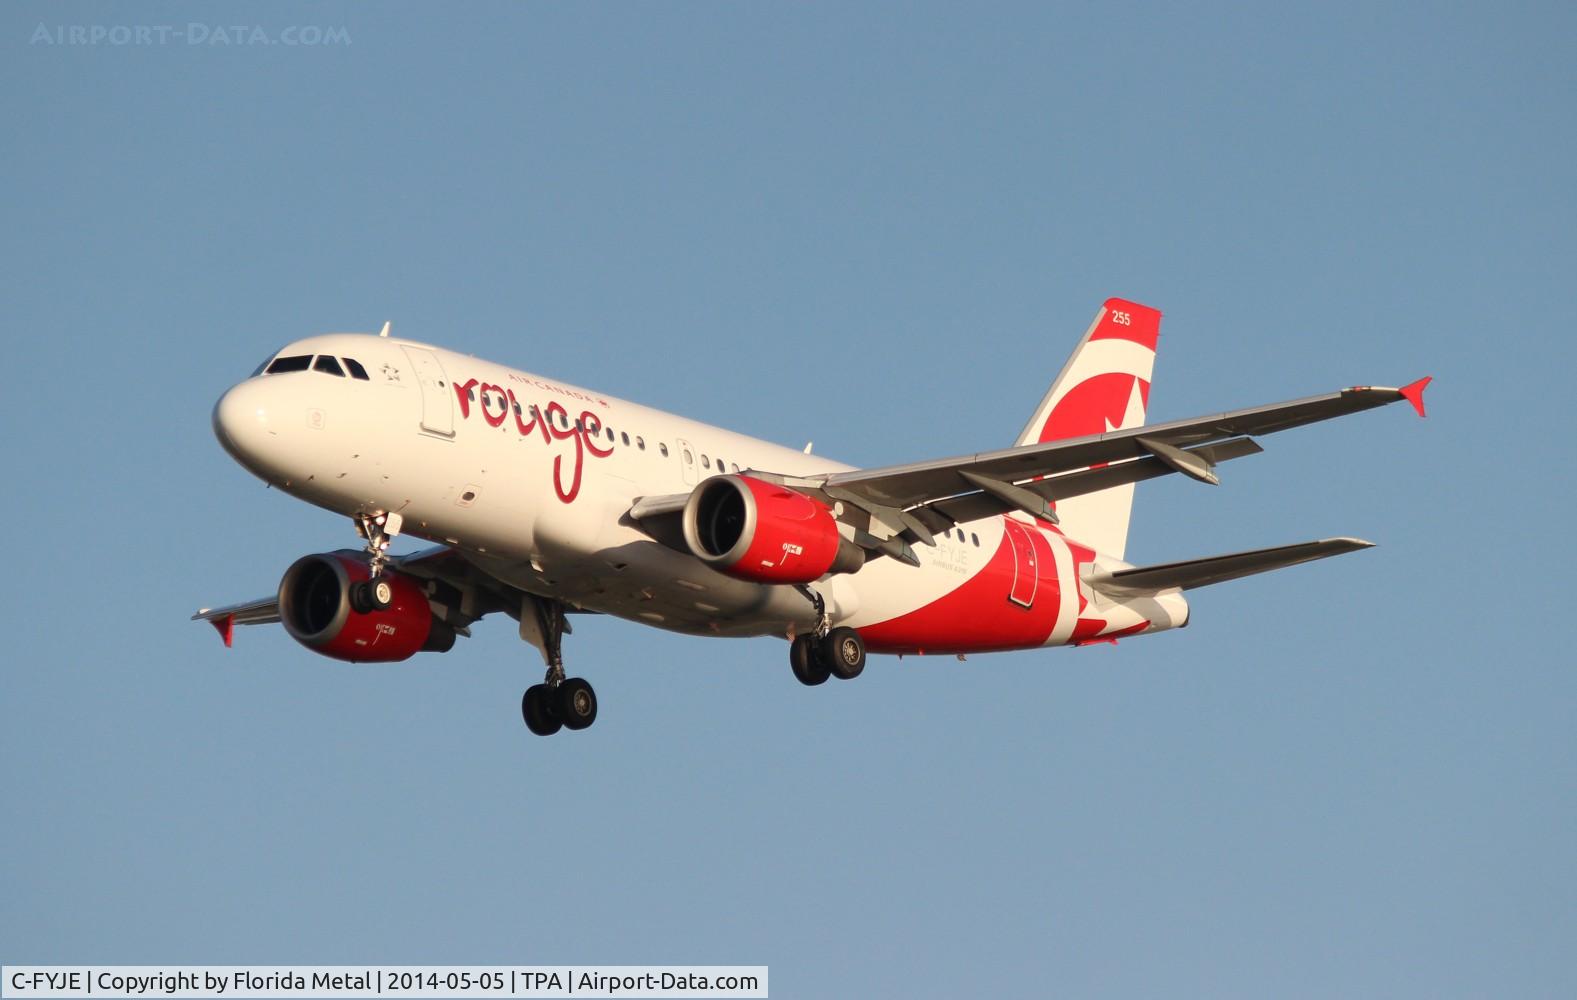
(461, 593)
(1144, 580)
(263, 611)
(916, 499)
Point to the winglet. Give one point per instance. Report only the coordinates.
(1414, 393)
(225, 627)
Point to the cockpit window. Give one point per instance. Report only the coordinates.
(356, 370)
(328, 365)
(294, 363)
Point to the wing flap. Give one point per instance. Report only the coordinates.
(943, 514)
(907, 485)
(1191, 573)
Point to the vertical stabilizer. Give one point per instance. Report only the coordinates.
(1105, 386)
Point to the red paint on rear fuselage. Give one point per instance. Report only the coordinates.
(980, 616)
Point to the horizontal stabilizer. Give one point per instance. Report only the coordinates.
(1143, 580)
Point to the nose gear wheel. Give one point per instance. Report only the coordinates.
(375, 593)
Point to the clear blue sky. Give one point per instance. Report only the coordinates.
(880, 227)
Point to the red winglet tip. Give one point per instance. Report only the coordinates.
(225, 627)
(1414, 393)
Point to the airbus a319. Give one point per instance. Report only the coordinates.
(546, 500)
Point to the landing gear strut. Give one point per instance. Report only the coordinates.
(559, 701)
(823, 620)
(375, 593)
(826, 651)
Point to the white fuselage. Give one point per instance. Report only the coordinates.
(531, 479)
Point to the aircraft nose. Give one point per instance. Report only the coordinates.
(241, 422)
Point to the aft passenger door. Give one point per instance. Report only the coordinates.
(1026, 571)
(437, 398)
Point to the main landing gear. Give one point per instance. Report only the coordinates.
(840, 653)
(375, 593)
(559, 701)
(827, 651)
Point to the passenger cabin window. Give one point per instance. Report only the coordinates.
(624, 438)
(328, 366)
(294, 363)
(356, 370)
(706, 463)
(662, 448)
(640, 442)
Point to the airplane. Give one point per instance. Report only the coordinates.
(547, 500)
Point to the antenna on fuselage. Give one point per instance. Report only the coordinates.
(807, 446)
(385, 331)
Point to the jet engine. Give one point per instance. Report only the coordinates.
(765, 533)
(316, 608)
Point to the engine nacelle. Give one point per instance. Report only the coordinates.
(315, 607)
(759, 531)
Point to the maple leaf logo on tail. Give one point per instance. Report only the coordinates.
(1112, 401)
(1105, 386)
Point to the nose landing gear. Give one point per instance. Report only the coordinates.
(375, 593)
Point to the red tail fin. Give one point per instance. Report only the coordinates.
(1105, 386)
